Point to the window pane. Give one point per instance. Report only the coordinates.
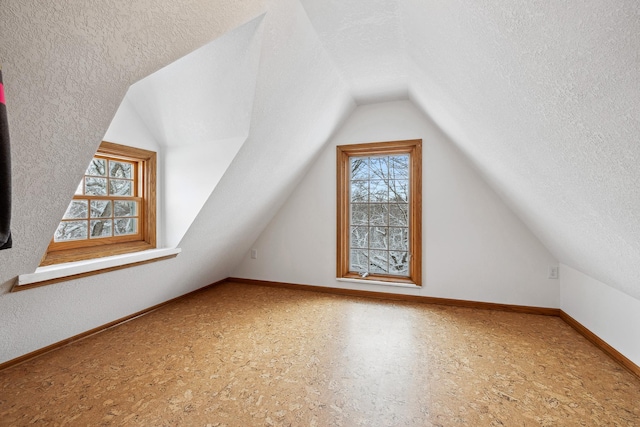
(126, 226)
(120, 169)
(375, 214)
(378, 237)
(101, 228)
(80, 188)
(76, 209)
(359, 214)
(399, 238)
(359, 168)
(100, 209)
(70, 230)
(378, 214)
(125, 208)
(379, 191)
(399, 263)
(97, 167)
(378, 261)
(379, 167)
(119, 187)
(399, 190)
(399, 167)
(399, 214)
(374, 183)
(359, 260)
(95, 186)
(360, 191)
(359, 237)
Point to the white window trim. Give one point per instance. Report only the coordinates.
(69, 269)
(378, 282)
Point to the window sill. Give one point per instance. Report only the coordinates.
(378, 282)
(74, 270)
(97, 252)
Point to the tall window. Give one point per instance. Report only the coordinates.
(113, 209)
(379, 211)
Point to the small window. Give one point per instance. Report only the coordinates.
(379, 211)
(113, 209)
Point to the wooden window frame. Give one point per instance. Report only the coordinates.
(344, 153)
(145, 182)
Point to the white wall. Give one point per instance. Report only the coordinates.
(610, 314)
(199, 109)
(127, 128)
(474, 247)
(64, 82)
(191, 173)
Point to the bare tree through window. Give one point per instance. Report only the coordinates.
(113, 210)
(379, 211)
(379, 205)
(105, 204)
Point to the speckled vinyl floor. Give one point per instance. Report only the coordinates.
(242, 355)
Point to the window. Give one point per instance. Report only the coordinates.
(113, 209)
(379, 211)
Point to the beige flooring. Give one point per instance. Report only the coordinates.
(242, 355)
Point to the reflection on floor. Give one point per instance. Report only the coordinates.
(243, 355)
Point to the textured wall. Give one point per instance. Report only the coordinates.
(474, 247)
(366, 41)
(67, 67)
(199, 109)
(543, 97)
(608, 313)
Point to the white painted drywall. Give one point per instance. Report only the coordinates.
(206, 95)
(64, 80)
(544, 98)
(192, 172)
(66, 68)
(610, 314)
(199, 110)
(127, 128)
(366, 41)
(475, 248)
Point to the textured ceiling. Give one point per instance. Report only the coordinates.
(66, 68)
(366, 42)
(204, 96)
(543, 97)
(199, 110)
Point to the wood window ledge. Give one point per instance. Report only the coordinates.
(75, 270)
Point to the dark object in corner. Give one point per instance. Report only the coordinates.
(5, 174)
(7, 244)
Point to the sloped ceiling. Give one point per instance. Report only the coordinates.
(66, 67)
(299, 99)
(543, 97)
(366, 41)
(206, 95)
(199, 110)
